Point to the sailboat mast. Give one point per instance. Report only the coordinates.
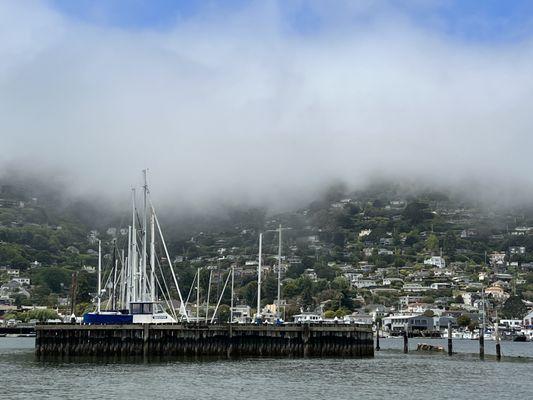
(279, 270)
(114, 299)
(114, 285)
(152, 256)
(208, 295)
(144, 276)
(129, 272)
(259, 268)
(232, 289)
(183, 311)
(134, 273)
(99, 275)
(122, 280)
(198, 297)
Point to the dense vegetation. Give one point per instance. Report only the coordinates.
(382, 231)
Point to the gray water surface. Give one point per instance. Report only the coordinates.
(390, 373)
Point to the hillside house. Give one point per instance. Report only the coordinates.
(436, 261)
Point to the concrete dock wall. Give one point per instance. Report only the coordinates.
(204, 340)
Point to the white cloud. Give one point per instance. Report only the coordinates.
(237, 109)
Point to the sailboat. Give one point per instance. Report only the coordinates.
(260, 316)
(140, 293)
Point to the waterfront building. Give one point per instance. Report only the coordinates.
(528, 320)
(242, 314)
(397, 323)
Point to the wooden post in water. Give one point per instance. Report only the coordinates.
(497, 333)
(377, 336)
(482, 328)
(450, 344)
(146, 337)
(482, 342)
(406, 339)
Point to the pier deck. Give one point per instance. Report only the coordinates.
(205, 340)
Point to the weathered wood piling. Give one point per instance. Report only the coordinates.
(226, 341)
(378, 348)
(450, 342)
(406, 339)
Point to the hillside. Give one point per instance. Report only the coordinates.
(342, 252)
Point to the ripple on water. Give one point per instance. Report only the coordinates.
(390, 373)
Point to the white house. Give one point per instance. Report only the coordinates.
(364, 283)
(413, 321)
(436, 261)
(528, 320)
(440, 285)
(414, 287)
(517, 250)
(511, 323)
(385, 252)
(89, 268)
(311, 274)
(242, 314)
(365, 232)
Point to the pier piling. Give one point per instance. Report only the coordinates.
(377, 337)
(481, 343)
(498, 348)
(204, 340)
(450, 344)
(406, 339)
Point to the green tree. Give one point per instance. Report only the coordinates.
(54, 277)
(42, 315)
(432, 243)
(416, 212)
(295, 270)
(450, 244)
(307, 292)
(223, 313)
(514, 308)
(464, 320)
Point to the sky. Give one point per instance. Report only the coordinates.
(266, 102)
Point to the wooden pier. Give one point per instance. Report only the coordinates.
(191, 340)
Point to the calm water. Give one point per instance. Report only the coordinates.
(390, 373)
